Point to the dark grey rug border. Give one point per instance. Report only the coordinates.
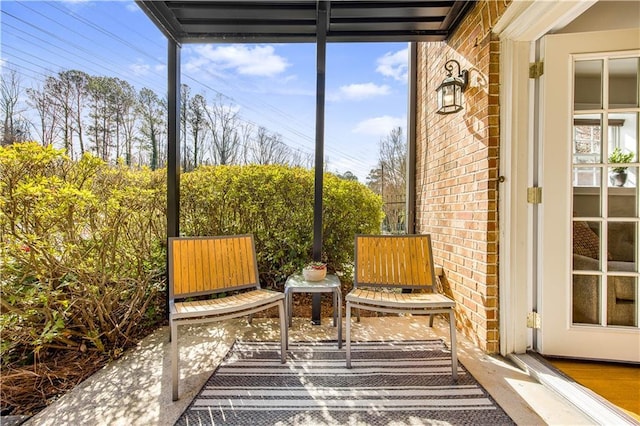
(317, 342)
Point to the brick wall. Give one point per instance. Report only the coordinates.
(457, 171)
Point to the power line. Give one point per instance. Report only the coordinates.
(287, 122)
(284, 124)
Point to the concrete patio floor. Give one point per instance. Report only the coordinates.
(136, 389)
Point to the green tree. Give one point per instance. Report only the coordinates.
(77, 84)
(347, 176)
(103, 93)
(196, 117)
(124, 98)
(152, 111)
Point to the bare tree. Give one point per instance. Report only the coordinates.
(185, 93)
(43, 103)
(393, 158)
(9, 95)
(60, 93)
(127, 119)
(298, 158)
(267, 148)
(224, 125)
(389, 178)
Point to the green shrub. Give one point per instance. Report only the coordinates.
(81, 257)
(82, 251)
(275, 204)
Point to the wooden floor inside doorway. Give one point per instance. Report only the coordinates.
(617, 383)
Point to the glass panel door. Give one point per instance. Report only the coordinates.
(606, 221)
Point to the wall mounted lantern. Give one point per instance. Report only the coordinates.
(449, 93)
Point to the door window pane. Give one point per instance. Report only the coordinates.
(587, 149)
(622, 300)
(623, 83)
(588, 85)
(623, 201)
(622, 247)
(586, 299)
(587, 201)
(586, 245)
(623, 149)
(587, 139)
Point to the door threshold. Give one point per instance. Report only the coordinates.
(588, 402)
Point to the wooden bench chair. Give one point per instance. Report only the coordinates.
(209, 266)
(385, 264)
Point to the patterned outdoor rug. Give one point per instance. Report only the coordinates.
(391, 383)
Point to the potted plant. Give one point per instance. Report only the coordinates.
(618, 175)
(314, 271)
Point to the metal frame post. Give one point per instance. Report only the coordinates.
(321, 59)
(412, 123)
(173, 146)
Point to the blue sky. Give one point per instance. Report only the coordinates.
(271, 85)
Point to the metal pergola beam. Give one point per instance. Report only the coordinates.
(295, 21)
(292, 21)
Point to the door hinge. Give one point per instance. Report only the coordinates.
(533, 320)
(534, 195)
(536, 69)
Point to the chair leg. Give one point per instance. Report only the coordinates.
(284, 332)
(175, 373)
(289, 297)
(431, 316)
(339, 324)
(454, 349)
(335, 302)
(348, 334)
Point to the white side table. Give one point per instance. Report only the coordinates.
(330, 284)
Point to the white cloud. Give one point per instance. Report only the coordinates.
(361, 91)
(247, 60)
(379, 126)
(132, 7)
(140, 69)
(394, 64)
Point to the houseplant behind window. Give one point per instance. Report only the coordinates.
(618, 174)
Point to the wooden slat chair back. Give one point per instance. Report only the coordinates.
(212, 265)
(201, 266)
(392, 261)
(384, 264)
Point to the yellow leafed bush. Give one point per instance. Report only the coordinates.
(82, 258)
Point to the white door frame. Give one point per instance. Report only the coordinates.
(523, 23)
